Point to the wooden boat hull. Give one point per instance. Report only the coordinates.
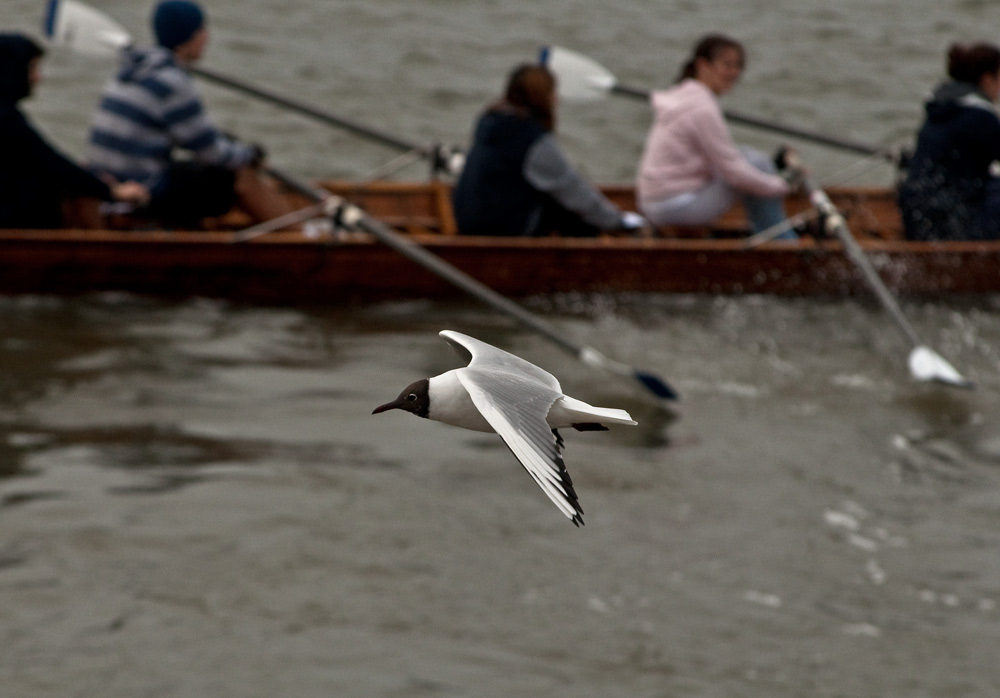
(287, 268)
(290, 268)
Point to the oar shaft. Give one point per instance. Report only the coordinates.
(485, 294)
(767, 125)
(439, 267)
(819, 138)
(633, 92)
(924, 363)
(860, 259)
(84, 28)
(313, 112)
(455, 276)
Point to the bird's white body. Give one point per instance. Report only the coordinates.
(452, 404)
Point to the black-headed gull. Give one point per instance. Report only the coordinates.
(524, 404)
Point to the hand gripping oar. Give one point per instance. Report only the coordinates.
(87, 30)
(581, 78)
(925, 364)
(350, 215)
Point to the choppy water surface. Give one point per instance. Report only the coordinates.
(195, 499)
(198, 501)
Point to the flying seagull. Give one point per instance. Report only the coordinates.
(524, 404)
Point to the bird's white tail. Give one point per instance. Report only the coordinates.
(567, 410)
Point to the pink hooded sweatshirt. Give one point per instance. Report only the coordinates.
(689, 145)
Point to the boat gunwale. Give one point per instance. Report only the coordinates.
(437, 240)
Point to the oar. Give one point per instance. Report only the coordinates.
(87, 30)
(316, 113)
(353, 216)
(925, 364)
(581, 78)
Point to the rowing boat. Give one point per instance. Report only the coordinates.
(291, 267)
(295, 268)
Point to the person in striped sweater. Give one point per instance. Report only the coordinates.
(151, 126)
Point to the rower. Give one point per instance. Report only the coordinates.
(151, 109)
(691, 171)
(517, 181)
(951, 191)
(39, 186)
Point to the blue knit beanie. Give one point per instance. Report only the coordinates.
(176, 21)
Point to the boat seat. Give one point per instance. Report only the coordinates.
(722, 229)
(235, 219)
(685, 231)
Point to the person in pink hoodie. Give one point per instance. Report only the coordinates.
(691, 171)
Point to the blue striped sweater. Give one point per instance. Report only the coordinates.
(148, 109)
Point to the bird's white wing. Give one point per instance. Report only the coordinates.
(516, 407)
(479, 354)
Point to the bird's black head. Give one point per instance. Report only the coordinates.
(413, 399)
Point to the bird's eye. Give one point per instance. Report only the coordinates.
(411, 397)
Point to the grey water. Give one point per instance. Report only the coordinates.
(195, 499)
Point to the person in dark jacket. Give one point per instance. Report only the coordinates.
(516, 180)
(950, 191)
(38, 183)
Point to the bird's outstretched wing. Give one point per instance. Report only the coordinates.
(515, 407)
(479, 354)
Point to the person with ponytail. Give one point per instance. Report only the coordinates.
(516, 181)
(691, 171)
(951, 191)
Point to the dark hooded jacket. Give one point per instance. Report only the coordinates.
(34, 176)
(946, 194)
(492, 197)
(517, 181)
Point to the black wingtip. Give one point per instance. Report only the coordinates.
(656, 385)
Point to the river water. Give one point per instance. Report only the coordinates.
(195, 499)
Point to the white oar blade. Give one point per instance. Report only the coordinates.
(578, 78)
(82, 28)
(928, 365)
